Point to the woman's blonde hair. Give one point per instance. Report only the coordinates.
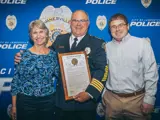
(39, 24)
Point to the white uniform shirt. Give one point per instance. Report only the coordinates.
(132, 67)
(71, 40)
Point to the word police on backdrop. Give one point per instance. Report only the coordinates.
(13, 45)
(101, 1)
(145, 22)
(13, 1)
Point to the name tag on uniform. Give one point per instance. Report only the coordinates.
(60, 46)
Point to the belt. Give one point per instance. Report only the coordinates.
(128, 94)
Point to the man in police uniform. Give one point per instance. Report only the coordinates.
(83, 107)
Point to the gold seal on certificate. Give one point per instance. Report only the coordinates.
(75, 73)
(74, 61)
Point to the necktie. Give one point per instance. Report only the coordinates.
(74, 44)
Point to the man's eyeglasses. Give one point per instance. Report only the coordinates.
(81, 21)
(120, 26)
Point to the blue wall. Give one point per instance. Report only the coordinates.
(144, 22)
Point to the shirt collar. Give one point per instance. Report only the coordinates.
(79, 38)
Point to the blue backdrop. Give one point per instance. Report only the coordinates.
(15, 15)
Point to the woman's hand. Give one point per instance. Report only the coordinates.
(13, 114)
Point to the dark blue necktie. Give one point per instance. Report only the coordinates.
(74, 44)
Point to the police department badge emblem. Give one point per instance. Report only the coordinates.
(11, 22)
(100, 109)
(54, 35)
(146, 3)
(87, 50)
(101, 22)
(56, 20)
(74, 61)
(9, 110)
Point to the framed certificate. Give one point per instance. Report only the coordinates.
(75, 73)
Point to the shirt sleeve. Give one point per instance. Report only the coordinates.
(15, 81)
(150, 73)
(100, 72)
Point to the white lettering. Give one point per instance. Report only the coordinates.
(9, 71)
(3, 1)
(13, 1)
(88, 1)
(10, 1)
(151, 24)
(18, 1)
(13, 46)
(157, 24)
(101, 1)
(133, 23)
(5, 71)
(2, 84)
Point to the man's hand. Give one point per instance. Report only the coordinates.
(17, 57)
(82, 97)
(146, 108)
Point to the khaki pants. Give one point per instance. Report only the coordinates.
(123, 108)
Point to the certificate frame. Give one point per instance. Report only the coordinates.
(72, 58)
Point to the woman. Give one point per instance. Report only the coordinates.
(33, 84)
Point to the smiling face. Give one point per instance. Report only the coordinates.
(38, 33)
(79, 23)
(38, 36)
(119, 29)
(119, 26)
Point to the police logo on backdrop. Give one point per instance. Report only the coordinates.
(100, 109)
(11, 22)
(146, 3)
(54, 35)
(56, 20)
(101, 22)
(9, 110)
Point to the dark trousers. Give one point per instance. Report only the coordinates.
(35, 108)
(75, 115)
